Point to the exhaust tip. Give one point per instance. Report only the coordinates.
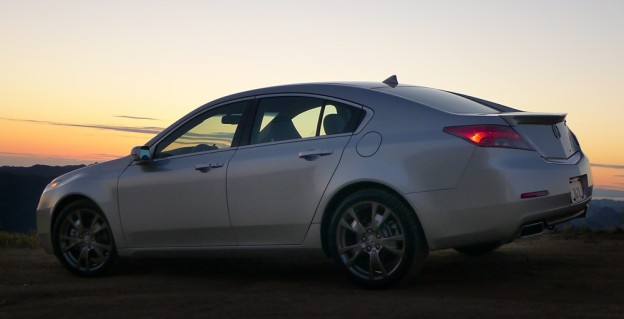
(532, 229)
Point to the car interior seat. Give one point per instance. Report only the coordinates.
(333, 124)
(278, 129)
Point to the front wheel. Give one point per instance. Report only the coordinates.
(83, 240)
(376, 239)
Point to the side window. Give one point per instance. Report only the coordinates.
(211, 130)
(340, 118)
(306, 123)
(287, 118)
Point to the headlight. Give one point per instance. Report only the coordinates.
(54, 184)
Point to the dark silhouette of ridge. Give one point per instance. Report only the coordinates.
(20, 189)
(40, 170)
(599, 218)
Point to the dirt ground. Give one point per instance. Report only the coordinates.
(550, 276)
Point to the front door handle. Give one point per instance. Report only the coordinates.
(207, 166)
(314, 153)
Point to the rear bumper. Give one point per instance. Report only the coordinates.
(555, 217)
(487, 204)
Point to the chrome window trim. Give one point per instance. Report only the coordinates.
(294, 140)
(193, 154)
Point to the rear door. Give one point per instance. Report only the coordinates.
(275, 183)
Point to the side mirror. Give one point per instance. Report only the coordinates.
(141, 154)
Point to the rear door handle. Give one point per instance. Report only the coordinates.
(207, 166)
(313, 153)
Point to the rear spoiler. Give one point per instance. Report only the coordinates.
(515, 116)
(533, 118)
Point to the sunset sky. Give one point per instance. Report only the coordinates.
(85, 81)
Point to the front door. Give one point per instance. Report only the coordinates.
(179, 198)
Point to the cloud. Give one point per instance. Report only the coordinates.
(608, 166)
(133, 129)
(136, 117)
(618, 175)
(28, 159)
(111, 156)
(88, 156)
(16, 154)
(144, 129)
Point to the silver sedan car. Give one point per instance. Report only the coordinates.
(374, 175)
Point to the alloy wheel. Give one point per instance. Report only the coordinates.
(85, 241)
(370, 240)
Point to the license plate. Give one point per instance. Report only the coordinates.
(576, 190)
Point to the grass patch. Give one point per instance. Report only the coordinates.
(17, 240)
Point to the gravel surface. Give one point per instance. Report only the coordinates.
(549, 276)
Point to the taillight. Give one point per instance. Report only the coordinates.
(490, 136)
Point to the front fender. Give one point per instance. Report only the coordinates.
(97, 183)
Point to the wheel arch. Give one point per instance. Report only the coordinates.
(62, 204)
(343, 193)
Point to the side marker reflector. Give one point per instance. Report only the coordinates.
(534, 194)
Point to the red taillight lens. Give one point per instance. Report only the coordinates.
(490, 136)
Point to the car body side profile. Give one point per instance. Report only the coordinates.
(375, 175)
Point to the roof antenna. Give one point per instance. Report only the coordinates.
(391, 81)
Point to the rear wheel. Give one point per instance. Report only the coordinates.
(83, 240)
(376, 239)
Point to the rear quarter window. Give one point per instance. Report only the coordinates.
(440, 100)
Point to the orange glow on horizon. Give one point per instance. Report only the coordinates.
(72, 143)
(609, 178)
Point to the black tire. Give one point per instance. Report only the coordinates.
(479, 249)
(83, 241)
(376, 239)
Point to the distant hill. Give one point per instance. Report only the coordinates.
(599, 203)
(603, 193)
(602, 215)
(40, 170)
(20, 189)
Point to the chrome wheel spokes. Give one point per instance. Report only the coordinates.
(370, 240)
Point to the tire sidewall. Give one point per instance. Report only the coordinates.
(112, 256)
(416, 249)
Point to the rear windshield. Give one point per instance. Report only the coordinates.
(440, 100)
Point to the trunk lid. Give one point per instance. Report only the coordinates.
(547, 132)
